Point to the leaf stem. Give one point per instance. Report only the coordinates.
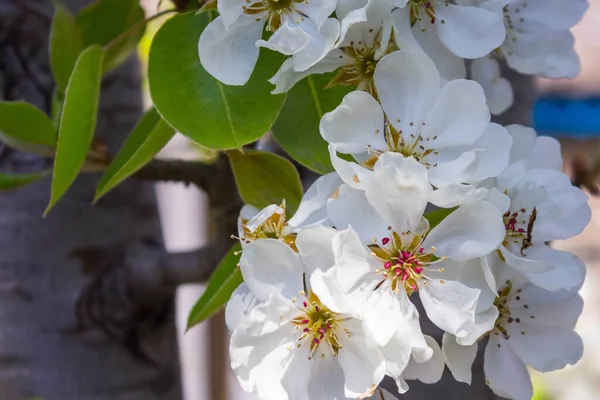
(134, 27)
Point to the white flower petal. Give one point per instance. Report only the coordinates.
(549, 308)
(408, 84)
(270, 266)
(398, 190)
(363, 368)
(545, 347)
(327, 289)
(230, 55)
(459, 359)
(506, 375)
(492, 154)
(350, 12)
(498, 90)
(286, 77)
(230, 11)
(315, 248)
(484, 323)
(351, 208)
(460, 115)
(430, 371)
(450, 305)
(355, 125)
(297, 378)
(258, 345)
(566, 272)
(473, 230)
(351, 259)
(448, 64)
(556, 14)
(469, 31)
(546, 154)
(312, 210)
(317, 10)
(326, 379)
(382, 315)
(449, 166)
(456, 195)
(264, 215)
(350, 172)
(320, 44)
(241, 302)
(289, 39)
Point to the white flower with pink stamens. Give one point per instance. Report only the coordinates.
(297, 341)
(399, 258)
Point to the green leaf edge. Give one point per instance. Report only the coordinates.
(113, 177)
(196, 314)
(291, 210)
(53, 197)
(20, 180)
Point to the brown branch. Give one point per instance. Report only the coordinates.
(188, 172)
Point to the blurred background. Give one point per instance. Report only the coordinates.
(566, 109)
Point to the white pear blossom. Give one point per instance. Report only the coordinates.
(538, 42)
(366, 36)
(408, 353)
(445, 128)
(530, 151)
(271, 222)
(296, 342)
(533, 328)
(467, 30)
(402, 259)
(539, 204)
(229, 46)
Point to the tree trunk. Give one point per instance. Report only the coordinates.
(79, 257)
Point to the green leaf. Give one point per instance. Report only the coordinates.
(123, 46)
(265, 178)
(436, 216)
(65, 45)
(13, 181)
(226, 278)
(297, 126)
(149, 136)
(196, 104)
(21, 122)
(77, 122)
(103, 21)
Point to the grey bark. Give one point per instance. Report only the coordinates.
(46, 265)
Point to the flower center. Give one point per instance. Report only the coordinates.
(275, 227)
(361, 63)
(513, 24)
(273, 10)
(505, 296)
(411, 145)
(519, 228)
(318, 325)
(404, 261)
(501, 303)
(420, 10)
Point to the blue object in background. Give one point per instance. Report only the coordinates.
(579, 118)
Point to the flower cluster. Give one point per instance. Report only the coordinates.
(429, 198)
(351, 36)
